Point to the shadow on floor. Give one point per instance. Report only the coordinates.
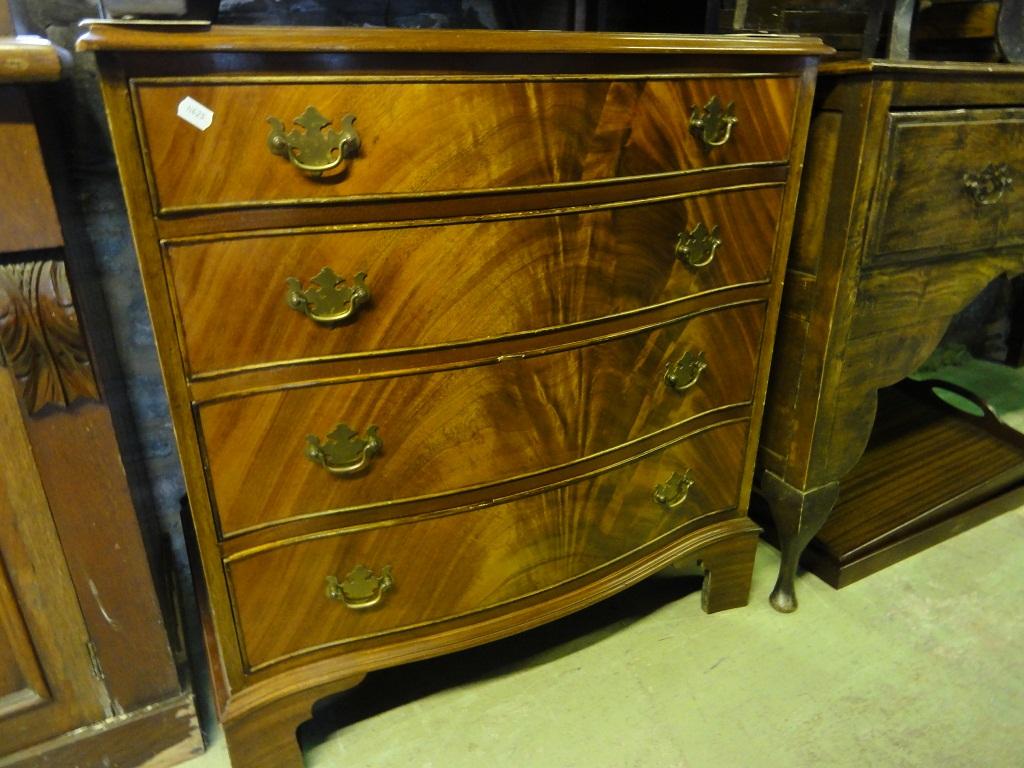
(389, 688)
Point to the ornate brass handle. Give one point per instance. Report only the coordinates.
(328, 299)
(360, 589)
(713, 123)
(988, 185)
(697, 247)
(312, 150)
(673, 492)
(344, 452)
(684, 373)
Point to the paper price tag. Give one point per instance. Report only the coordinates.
(194, 113)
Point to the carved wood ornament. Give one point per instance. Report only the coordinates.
(40, 337)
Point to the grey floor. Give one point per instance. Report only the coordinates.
(918, 665)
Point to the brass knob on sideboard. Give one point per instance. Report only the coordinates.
(361, 589)
(713, 123)
(697, 247)
(988, 185)
(673, 492)
(344, 452)
(684, 372)
(328, 298)
(313, 150)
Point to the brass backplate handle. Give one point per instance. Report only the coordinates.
(328, 299)
(713, 123)
(361, 589)
(685, 372)
(697, 247)
(313, 150)
(344, 452)
(673, 492)
(988, 185)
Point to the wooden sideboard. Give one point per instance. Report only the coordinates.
(462, 331)
(88, 676)
(911, 204)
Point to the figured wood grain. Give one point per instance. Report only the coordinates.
(925, 203)
(420, 137)
(457, 429)
(30, 220)
(452, 283)
(460, 563)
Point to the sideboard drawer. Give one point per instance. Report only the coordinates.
(953, 181)
(446, 135)
(453, 283)
(457, 564)
(450, 430)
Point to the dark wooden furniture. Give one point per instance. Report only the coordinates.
(87, 674)
(908, 210)
(505, 358)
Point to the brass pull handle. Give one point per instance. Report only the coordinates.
(988, 185)
(360, 589)
(673, 492)
(344, 452)
(312, 150)
(697, 247)
(328, 299)
(684, 373)
(713, 123)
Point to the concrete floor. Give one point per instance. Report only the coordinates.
(917, 665)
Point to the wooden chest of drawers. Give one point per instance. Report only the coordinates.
(461, 331)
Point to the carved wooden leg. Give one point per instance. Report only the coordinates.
(798, 516)
(264, 736)
(728, 566)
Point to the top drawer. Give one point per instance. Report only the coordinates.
(949, 181)
(444, 136)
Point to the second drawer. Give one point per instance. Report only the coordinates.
(287, 454)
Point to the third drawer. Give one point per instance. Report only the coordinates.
(307, 451)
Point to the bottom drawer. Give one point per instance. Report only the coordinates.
(456, 564)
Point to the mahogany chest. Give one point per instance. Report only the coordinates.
(461, 331)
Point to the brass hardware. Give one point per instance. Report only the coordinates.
(988, 185)
(713, 123)
(673, 492)
(697, 247)
(328, 299)
(360, 589)
(344, 452)
(312, 150)
(684, 373)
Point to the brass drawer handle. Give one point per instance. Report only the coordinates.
(697, 247)
(673, 492)
(360, 589)
(988, 185)
(312, 150)
(684, 373)
(713, 123)
(344, 452)
(328, 299)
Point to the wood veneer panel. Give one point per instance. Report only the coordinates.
(441, 136)
(449, 283)
(457, 564)
(457, 429)
(926, 203)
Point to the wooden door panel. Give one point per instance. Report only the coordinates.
(46, 683)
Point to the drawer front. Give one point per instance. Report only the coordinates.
(436, 285)
(446, 136)
(944, 187)
(453, 565)
(450, 430)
